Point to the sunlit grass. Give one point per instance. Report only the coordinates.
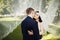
(54, 25)
(50, 37)
(10, 19)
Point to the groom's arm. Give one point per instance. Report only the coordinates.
(29, 29)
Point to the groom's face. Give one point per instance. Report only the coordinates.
(33, 13)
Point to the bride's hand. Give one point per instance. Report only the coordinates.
(30, 32)
(37, 20)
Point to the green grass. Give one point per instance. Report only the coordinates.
(58, 26)
(10, 19)
(15, 35)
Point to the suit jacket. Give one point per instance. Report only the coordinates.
(29, 24)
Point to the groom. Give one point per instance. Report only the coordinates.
(29, 26)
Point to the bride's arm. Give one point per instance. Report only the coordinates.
(41, 30)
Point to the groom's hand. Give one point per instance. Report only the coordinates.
(30, 32)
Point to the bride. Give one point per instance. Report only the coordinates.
(39, 22)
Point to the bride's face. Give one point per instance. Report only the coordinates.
(36, 16)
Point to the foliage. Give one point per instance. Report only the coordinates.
(5, 6)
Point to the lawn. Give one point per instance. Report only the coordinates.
(7, 24)
(17, 34)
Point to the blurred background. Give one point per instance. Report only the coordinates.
(12, 12)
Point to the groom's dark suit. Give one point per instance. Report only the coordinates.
(29, 24)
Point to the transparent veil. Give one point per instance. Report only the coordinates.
(16, 8)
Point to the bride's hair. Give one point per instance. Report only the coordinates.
(40, 20)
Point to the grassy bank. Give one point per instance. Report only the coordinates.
(15, 35)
